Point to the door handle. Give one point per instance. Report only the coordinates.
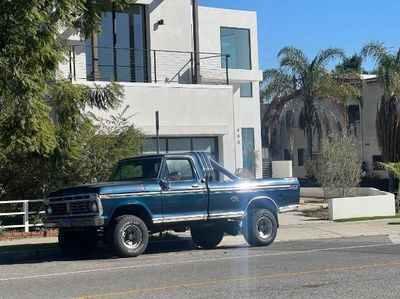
(195, 185)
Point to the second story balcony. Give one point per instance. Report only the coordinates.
(90, 63)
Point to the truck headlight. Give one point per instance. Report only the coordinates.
(49, 210)
(94, 207)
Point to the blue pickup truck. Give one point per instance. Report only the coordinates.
(151, 194)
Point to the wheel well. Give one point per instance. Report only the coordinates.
(135, 210)
(264, 203)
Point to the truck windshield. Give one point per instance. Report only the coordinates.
(137, 169)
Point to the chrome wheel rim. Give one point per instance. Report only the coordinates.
(264, 227)
(132, 236)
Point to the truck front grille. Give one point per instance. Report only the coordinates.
(80, 207)
(72, 205)
(59, 208)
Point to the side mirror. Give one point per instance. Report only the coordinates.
(164, 184)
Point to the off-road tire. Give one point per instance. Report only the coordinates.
(77, 244)
(207, 237)
(260, 227)
(128, 236)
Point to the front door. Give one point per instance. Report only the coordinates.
(183, 195)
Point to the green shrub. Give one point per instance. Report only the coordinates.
(338, 166)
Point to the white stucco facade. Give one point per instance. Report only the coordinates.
(210, 109)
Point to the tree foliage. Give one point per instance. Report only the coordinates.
(353, 63)
(46, 138)
(338, 166)
(388, 114)
(309, 84)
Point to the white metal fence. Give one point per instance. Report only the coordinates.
(22, 207)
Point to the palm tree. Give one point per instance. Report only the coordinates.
(309, 85)
(388, 114)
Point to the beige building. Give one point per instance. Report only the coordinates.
(290, 143)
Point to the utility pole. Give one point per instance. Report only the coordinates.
(157, 132)
(196, 47)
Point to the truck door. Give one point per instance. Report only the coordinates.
(225, 200)
(183, 196)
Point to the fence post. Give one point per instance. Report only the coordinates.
(26, 216)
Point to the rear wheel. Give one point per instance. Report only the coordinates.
(207, 237)
(260, 227)
(128, 236)
(77, 244)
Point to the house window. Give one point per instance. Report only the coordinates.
(248, 149)
(354, 113)
(128, 61)
(287, 155)
(300, 157)
(235, 42)
(246, 90)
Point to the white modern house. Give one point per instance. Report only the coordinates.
(197, 66)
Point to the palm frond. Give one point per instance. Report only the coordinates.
(325, 56)
(375, 49)
(104, 98)
(294, 59)
(277, 83)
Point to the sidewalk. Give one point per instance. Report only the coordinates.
(293, 226)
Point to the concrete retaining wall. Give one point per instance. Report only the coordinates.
(368, 202)
(282, 169)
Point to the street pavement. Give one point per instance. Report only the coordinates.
(311, 259)
(357, 267)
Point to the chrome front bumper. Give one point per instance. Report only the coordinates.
(73, 222)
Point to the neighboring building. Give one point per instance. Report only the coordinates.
(213, 107)
(290, 143)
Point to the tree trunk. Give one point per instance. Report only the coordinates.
(309, 141)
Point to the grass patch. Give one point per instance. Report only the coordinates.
(368, 218)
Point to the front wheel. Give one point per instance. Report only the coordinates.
(207, 237)
(128, 236)
(260, 227)
(77, 244)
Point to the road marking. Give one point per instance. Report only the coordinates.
(244, 278)
(190, 262)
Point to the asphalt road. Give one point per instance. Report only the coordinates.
(333, 268)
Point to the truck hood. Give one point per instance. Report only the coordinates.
(109, 188)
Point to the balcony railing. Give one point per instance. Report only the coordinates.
(151, 66)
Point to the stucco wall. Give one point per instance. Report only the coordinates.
(185, 110)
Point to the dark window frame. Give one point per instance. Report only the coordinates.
(215, 138)
(249, 44)
(251, 91)
(194, 172)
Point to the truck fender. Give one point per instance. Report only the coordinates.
(133, 208)
(263, 202)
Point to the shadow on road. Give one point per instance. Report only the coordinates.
(39, 253)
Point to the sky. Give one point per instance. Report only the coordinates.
(312, 25)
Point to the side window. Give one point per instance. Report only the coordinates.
(178, 170)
